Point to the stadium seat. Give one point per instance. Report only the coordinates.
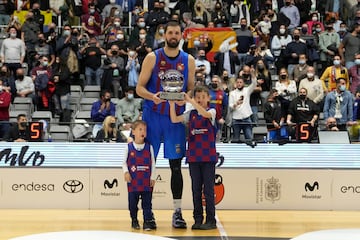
(75, 91)
(60, 133)
(23, 104)
(92, 91)
(42, 115)
(86, 103)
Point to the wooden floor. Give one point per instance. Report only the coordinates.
(277, 224)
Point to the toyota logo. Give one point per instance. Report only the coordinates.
(73, 186)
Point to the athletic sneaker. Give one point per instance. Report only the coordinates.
(208, 226)
(149, 225)
(196, 225)
(177, 220)
(135, 224)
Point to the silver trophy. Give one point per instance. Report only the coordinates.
(172, 82)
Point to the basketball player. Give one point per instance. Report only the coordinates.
(156, 65)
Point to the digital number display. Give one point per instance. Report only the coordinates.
(36, 131)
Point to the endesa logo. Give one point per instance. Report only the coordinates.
(350, 189)
(33, 187)
(73, 186)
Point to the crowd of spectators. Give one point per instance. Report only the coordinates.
(311, 46)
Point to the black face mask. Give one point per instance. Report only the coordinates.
(112, 125)
(296, 37)
(245, 75)
(202, 57)
(225, 78)
(302, 97)
(243, 26)
(2, 73)
(20, 77)
(213, 85)
(283, 76)
(23, 124)
(114, 52)
(332, 125)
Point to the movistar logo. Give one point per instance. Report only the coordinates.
(311, 187)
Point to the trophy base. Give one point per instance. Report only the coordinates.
(172, 96)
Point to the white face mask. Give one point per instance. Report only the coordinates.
(117, 24)
(112, 1)
(142, 36)
(282, 30)
(310, 75)
(131, 53)
(314, 19)
(120, 36)
(130, 96)
(13, 35)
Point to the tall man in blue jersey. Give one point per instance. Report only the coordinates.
(156, 65)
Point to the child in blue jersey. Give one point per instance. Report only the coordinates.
(201, 154)
(139, 173)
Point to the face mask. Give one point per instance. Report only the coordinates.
(120, 36)
(282, 30)
(304, 30)
(342, 88)
(114, 52)
(142, 36)
(41, 41)
(260, 66)
(201, 57)
(332, 125)
(130, 96)
(161, 31)
(196, 42)
(131, 53)
(67, 33)
(117, 24)
(13, 35)
(310, 75)
(117, 13)
(141, 24)
(2, 73)
(112, 125)
(112, 1)
(246, 76)
(314, 19)
(302, 62)
(213, 85)
(302, 97)
(243, 26)
(342, 29)
(20, 77)
(283, 76)
(336, 62)
(23, 124)
(318, 30)
(357, 62)
(296, 37)
(287, 3)
(92, 11)
(225, 78)
(44, 63)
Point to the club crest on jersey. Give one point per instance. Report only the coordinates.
(180, 67)
(132, 154)
(162, 63)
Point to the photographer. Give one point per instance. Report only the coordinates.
(92, 61)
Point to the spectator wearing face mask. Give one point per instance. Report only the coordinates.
(350, 45)
(18, 132)
(303, 110)
(292, 12)
(331, 125)
(91, 22)
(24, 85)
(140, 24)
(109, 132)
(339, 104)
(313, 22)
(293, 50)
(203, 65)
(107, 9)
(332, 73)
(314, 86)
(110, 30)
(127, 109)
(12, 51)
(133, 68)
(245, 39)
(142, 45)
(101, 109)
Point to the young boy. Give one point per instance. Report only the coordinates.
(201, 154)
(139, 173)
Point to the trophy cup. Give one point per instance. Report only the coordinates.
(172, 82)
